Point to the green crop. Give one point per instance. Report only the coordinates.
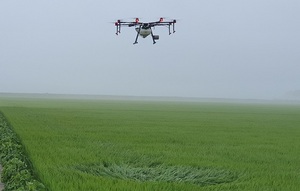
(17, 173)
(139, 145)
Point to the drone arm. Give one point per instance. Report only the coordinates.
(168, 24)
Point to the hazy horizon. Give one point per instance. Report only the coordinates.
(47, 96)
(221, 49)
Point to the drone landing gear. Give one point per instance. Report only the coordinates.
(137, 35)
(173, 25)
(153, 37)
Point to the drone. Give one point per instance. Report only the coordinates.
(145, 29)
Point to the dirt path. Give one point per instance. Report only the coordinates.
(1, 184)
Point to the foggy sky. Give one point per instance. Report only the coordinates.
(221, 48)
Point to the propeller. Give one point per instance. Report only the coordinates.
(135, 19)
(162, 19)
(118, 22)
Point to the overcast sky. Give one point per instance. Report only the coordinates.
(248, 49)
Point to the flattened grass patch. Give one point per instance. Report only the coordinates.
(201, 176)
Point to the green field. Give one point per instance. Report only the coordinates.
(89, 145)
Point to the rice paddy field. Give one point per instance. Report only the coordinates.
(119, 145)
